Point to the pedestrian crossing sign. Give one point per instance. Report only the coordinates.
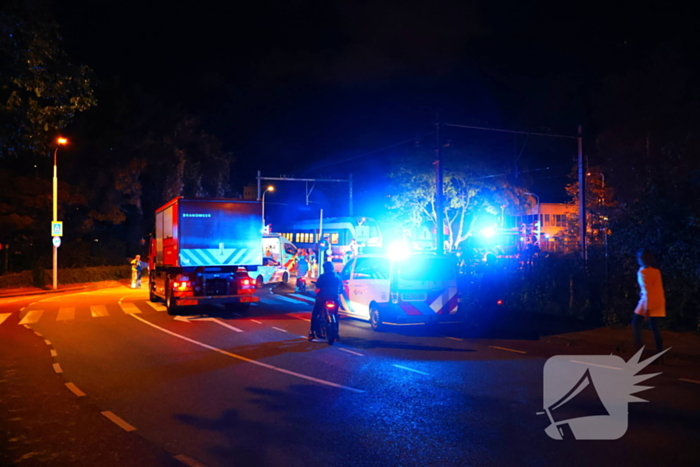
(56, 228)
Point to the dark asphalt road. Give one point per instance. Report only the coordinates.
(250, 391)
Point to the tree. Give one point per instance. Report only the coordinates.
(40, 89)
(470, 193)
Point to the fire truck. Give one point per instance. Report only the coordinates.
(202, 251)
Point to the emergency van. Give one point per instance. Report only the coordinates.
(280, 249)
(418, 289)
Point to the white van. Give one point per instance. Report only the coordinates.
(280, 249)
(419, 289)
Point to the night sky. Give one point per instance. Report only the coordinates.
(311, 87)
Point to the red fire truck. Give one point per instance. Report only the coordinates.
(202, 251)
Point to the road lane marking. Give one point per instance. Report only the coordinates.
(411, 369)
(57, 368)
(48, 342)
(118, 421)
(74, 389)
(4, 316)
(54, 353)
(287, 299)
(256, 321)
(506, 349)
(254, 362)
(453, 338)
(98, 311)
(157, 306)
(280, 329)
(689, 380)
(65, 314)
(38, 334)
(294, 315)
(350, 351)
(188, 461)
(129, 308)
(226, 325)
(32, 317)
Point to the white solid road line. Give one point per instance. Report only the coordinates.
(411, 369)
(157, 306)
(4, 316)
(31, 317)
(188, 461)
(74, 389)
(98, 311)
(352, 352)
(57, 368)
(65, 314)
(129, 308)
(120, 422)
(254, 362)
(506, 349)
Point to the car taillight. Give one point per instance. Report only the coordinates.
(182, 285)
(499, 302)
(330, 305)
(246, 285)
(245, 282)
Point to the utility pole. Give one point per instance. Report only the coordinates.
(439, 211)
(581, 197)
(314, 181)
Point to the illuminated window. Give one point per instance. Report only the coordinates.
(334, 238)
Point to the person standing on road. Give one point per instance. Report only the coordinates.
(136, 271)
(652, 301)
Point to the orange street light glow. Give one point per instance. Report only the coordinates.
(62, 140)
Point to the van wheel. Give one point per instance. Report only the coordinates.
(152, 292)
(259, 282)
(169, 302)
(285, 278)
(375, 318)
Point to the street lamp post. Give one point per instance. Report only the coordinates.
(59, 142)
(269, 188)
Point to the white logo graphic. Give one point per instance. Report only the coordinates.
(586, 396)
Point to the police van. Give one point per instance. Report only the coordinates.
(418, 289)
(271, 272)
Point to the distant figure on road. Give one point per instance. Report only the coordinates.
(136, 271)
(652, 301)
(353, 248)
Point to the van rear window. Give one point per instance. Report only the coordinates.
(428, 268)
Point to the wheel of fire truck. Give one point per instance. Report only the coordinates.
(169, 303)
(285, 278)
(237, 307)
(259, 282)
(375, 318)
(152, 292)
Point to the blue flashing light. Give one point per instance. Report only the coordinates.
(488, 232)
(398, 250)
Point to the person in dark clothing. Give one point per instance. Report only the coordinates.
(328, 287)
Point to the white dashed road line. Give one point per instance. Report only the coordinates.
(253, 362)
(57, 368)
(31, 317)
(54, 353)
(256, 322)
(352, 352)
(294, 315)
(98, 311)
(74, 389)
(118, 421)
(506, 349)
(453, 338)
(157, 306)
(4, 316)
(411, 369)
(280, 329)
(48, 342)
(129, 308)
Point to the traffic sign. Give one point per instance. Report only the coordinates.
(56, 241)
(56, 228)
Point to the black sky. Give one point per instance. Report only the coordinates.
(296, 84)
